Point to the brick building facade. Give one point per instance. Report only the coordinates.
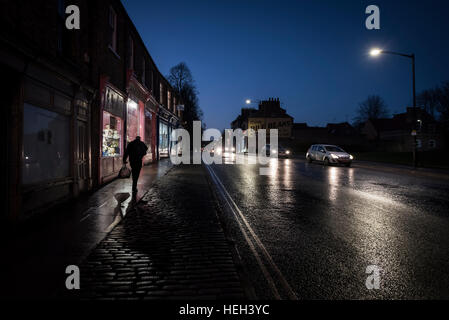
(73, 99)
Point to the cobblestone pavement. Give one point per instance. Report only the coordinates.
(170, 247)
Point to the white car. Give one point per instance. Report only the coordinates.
(329, 154)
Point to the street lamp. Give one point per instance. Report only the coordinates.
(376, 52)
(251, 101)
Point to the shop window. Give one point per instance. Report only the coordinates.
(133, 121)
(163, 139)
(46, 145)
(112, 135)
(148, 129)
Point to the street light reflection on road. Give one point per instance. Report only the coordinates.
(333, 179)
(287, 174)
(274, 167)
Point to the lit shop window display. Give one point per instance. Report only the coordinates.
(133, 121)
(112, 135)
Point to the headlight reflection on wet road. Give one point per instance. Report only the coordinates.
(329, 223)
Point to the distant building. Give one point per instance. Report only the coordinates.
(241, 122)
(395, 134)
(269, 115)
(342, 134)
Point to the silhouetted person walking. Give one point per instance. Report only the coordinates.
(136, 150)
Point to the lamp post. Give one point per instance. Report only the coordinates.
(376, 52)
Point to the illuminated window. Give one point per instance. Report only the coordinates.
(133, 121)
(112, 135)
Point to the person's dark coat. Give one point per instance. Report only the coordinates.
(136, 150)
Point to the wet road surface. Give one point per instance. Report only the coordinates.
(309, 232)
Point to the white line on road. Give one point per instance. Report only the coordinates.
(87, 213)
(237, 212)
(250, 243)
(103, 204)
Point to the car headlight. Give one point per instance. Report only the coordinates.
(351, 157)
(287, 152)
(334, 156)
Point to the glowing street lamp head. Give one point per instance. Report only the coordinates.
(375, 52)
(248, 101)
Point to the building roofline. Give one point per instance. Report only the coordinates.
(133, 27)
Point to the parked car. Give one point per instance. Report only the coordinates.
(329, 154)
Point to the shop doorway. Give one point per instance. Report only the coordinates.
(82, 158)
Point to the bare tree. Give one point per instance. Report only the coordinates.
(443, 101)
(373, 107)
(180, 76)
(436, 100)
(182, 82)
(428, 99)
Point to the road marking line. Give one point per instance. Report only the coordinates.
(273, 265)
(103, 204)
(87, 213)
(250, 243)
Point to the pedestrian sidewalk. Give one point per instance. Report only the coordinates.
(39, 251)
(171, 246)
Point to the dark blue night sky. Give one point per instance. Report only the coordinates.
(313, 55)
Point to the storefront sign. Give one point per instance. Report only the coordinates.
(113, 102)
